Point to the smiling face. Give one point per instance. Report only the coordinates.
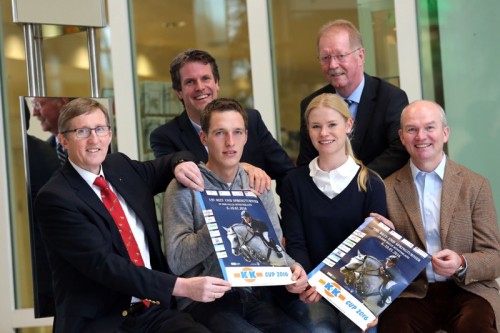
(225, 140)
(198, 88)
(423, 133)
(328, 131)
(87, 153)
(347, 74)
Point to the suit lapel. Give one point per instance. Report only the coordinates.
(452, 183)
(87, 195)
(407, 193)
(190, 138)
(364, 114)
(85, 192)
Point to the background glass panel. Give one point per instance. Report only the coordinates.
(461, 73)
(67, 74)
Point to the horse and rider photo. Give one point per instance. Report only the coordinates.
(374, 281)
(250, 239)
(368, 271)
(245, 242)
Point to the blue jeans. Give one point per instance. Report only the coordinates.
(322, 317)
(240, 311)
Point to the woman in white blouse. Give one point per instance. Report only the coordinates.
(324, 202)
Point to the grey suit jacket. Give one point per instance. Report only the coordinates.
(469, 225)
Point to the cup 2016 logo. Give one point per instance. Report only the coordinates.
(248, 274)
(332, 289)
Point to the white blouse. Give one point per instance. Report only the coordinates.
(334, 182)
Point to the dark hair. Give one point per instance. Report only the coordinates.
(245, 213)
(221, 105)
(191, 55)
(392, 258)
(76, 108)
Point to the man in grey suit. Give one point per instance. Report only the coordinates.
(375, 104)
(448, 210)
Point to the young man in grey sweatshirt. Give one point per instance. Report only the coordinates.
(188, 244)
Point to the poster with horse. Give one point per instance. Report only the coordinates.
(367, 271)
(246, 244)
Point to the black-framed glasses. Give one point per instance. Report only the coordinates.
(85, 131)
(327, 58)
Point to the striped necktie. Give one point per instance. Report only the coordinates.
(61, 153)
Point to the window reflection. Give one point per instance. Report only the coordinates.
(64, 77)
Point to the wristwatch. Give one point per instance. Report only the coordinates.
(463, 265)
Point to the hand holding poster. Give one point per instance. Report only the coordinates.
(244, 239)
(367, 271)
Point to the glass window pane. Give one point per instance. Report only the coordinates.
(66, 74)
(470, 100)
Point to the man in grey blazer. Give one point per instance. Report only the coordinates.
(448, 210)
(375, 104)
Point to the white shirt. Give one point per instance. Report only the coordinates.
(355, 98)
(334, 182)
(429, 197)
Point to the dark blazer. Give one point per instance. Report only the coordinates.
(261, 149)
(93, 276)
(468, 225)
(52, 141)
(375, 139)
(43, 163)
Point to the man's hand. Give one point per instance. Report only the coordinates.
(259, 180)
(300, 278)
(382, 219)
(189, 175)
(201, 289)
(446, 262)
(310, 295)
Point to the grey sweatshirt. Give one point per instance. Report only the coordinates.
(188, 244)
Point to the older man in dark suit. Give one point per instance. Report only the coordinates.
(375, 104)
(98, 220)
(448, 210)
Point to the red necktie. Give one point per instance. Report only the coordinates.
(110, 200)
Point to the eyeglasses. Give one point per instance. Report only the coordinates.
(85, 132)
(327, 58)
(38, 105)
